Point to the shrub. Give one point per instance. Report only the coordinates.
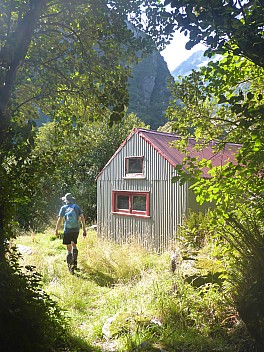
(29, 318)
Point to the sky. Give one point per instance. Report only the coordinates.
(175, 53)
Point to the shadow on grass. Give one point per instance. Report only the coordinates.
(76, 344)
(100, 278)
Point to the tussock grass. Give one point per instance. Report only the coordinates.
(136, 287)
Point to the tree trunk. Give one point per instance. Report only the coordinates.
(12, 55)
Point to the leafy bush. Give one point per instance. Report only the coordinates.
(30, 319)
(195, 230)
(244, 231)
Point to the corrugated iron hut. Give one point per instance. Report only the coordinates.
(136, 198)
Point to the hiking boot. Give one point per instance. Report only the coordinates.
(69, 262)
(74, 258)
(71, 268)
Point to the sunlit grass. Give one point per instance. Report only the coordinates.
(132, 282)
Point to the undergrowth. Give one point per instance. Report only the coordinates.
(124, 298)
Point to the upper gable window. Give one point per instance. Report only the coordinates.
(134, 166)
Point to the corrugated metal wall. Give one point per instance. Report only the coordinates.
(168, 201)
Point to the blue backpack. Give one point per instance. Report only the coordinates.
(71, 219)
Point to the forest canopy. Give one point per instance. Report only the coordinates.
(63, 59)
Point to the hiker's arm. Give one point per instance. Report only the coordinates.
(58, 226)
(83, 224)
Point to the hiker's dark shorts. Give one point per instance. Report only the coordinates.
(70, 237)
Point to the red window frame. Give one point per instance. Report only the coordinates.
(130, 211)
(134, 174)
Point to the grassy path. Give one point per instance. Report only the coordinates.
(151, 308)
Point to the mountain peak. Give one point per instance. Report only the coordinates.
(194, 62)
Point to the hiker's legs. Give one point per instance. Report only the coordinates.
(70, 240)
(69, 256)
(74, 254)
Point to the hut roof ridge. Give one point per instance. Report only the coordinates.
(161, 142)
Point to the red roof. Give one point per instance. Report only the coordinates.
(161, 142)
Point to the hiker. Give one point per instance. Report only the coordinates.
(72, 213)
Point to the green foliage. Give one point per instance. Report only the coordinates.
(65, 59)
(195, 230)
(221, 25)
(70, 50)
(243, 229)
(72, 155)
(192, 107)
(234, 89)
(28, 314)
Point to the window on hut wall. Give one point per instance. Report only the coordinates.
(134, 166)
(131, 203)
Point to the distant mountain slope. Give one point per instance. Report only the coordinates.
(148, 93)
(194, 62)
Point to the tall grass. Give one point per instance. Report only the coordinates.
(150, 306)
